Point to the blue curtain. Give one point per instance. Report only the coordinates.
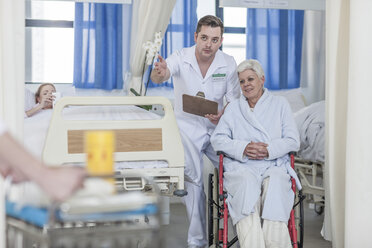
(179, 34)
(274, 37)
(98, 51)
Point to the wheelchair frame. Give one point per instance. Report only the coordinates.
(218, 211)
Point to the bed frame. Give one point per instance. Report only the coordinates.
(122, 219)
(136, 140)
(311, 176)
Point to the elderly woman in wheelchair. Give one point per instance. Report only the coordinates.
(257, 132)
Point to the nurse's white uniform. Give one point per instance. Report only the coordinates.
(220, 80)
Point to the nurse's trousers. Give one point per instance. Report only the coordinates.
(195, 202)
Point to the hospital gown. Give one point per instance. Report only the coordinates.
(271, 122)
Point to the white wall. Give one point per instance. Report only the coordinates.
(205, 7)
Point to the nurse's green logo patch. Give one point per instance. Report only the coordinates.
(218, 77)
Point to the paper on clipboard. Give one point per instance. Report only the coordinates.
(199, 106)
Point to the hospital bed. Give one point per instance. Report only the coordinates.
(146, 143)
(309, 162)
(118, 219)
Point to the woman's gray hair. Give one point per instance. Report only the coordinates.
(251, 64)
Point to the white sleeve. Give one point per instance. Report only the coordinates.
(223, 139)
(290, 140)
(173, 63)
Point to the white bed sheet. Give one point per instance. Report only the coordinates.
(311, 125)
(36, 127)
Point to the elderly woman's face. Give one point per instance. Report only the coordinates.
(251, 85)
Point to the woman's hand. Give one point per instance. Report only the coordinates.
(46, 101)
(256, 150)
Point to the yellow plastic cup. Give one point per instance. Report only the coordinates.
(99, 147)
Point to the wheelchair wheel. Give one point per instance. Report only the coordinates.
(210, 209)
(319, 209)
(213, 211)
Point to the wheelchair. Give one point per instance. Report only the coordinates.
(218, 212)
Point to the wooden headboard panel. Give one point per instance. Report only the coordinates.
(126, 140)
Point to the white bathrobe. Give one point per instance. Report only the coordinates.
(271, 121)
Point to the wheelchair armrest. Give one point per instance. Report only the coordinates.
(221, 153)
(292, 153)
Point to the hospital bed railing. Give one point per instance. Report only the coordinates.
(311, 176)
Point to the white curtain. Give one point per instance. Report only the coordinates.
(12, 39)
(312, 82)
(349, 120)
(313, 57)
(149, 16)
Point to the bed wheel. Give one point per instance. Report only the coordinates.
(180, 192)
(318, 209)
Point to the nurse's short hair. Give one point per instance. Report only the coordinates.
(251, 64)
(209, 20)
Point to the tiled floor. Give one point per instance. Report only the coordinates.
(313, 225)
(175, 234)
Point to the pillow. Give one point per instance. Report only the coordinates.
(294, 96)
(29, 99)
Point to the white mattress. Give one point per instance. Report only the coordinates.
(36, 127)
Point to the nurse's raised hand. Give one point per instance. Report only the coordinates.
(161, 66)
(160, 73)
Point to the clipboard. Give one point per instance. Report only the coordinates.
(198, 105)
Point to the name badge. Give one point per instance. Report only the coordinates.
(218, 77)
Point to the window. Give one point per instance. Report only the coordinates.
(234, 42)
(49, 41)
(234, 20)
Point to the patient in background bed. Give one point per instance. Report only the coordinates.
(257, 132)
(43, 99)
(15, 161)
